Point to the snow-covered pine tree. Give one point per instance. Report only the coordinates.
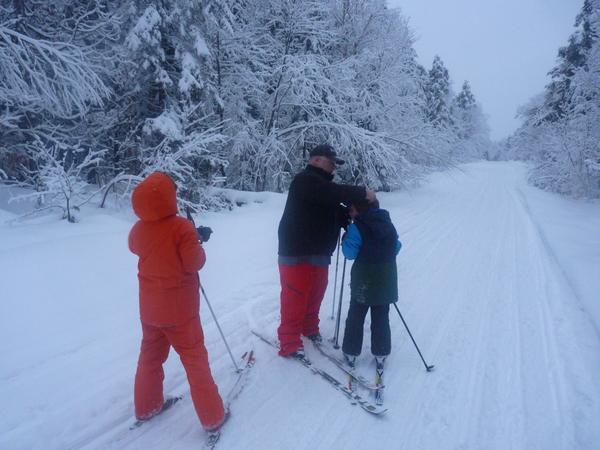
(561, 133)
(439, 95)
(570, 59)
(470, 125)
(583, 141)
(438, 107)
(464, 105)
(169, 99)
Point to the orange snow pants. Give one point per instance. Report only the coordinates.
(302, 289)
(188, 341)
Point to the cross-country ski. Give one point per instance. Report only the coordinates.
(354, 397)
(343, 366)
(248, 361)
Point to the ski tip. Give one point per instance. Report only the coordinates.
(212, 440)
(170, 401)
(376, 410)
(248, 359)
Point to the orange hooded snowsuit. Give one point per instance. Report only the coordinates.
(169, 259)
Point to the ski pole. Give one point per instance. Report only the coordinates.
(237, 369)
(429, 368)
(339, 313)
(337, 263)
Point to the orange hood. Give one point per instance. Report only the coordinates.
(155, 198)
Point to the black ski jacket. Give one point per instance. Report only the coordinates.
(309, 227)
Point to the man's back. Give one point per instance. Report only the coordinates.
(308, 226)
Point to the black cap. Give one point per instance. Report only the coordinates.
(327, 151)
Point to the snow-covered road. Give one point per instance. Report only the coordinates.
(489, 299)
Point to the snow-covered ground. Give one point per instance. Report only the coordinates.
(498, 282)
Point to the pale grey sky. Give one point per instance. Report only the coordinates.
(505, 48)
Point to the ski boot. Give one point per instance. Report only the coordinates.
(316, 338)
(168, 402)
(350, 360)
(379, 362)
(298, 354)
(214, 434)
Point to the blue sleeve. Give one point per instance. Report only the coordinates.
(398, 246)
(352, 242)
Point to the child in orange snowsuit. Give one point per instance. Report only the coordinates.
(170, 257)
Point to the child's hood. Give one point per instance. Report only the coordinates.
(379, 223)
(155, 198)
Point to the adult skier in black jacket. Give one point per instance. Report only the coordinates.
(308, 233)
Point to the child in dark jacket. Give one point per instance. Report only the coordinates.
(372, 241)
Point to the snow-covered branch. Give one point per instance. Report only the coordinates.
(40, 75)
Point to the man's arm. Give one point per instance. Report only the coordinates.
(328, 192)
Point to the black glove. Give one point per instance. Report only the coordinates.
(204, 233)
(343, 216)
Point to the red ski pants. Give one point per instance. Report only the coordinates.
(302, 289)
(188, 341)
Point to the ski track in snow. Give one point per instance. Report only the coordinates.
(516, 356)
